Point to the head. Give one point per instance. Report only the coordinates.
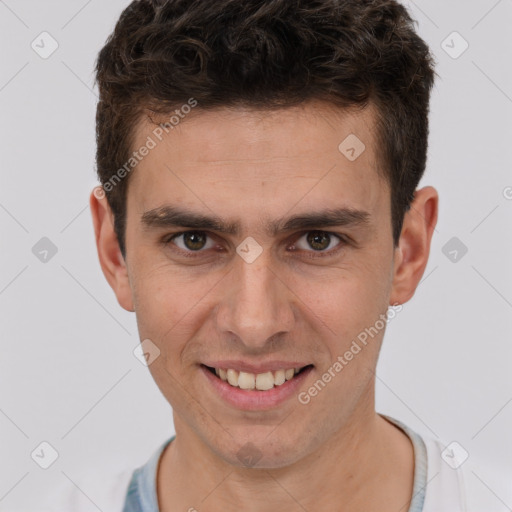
(302, 125)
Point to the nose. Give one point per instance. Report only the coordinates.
(256, 305)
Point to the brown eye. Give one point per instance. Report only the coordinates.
(318, 241)
(192, 241)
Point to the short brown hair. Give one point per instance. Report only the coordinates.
(266, 54)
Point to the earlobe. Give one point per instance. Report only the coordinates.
(411, 257)
(111, 260)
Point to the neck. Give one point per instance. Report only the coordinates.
(367, 464)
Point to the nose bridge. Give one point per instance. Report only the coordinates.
(256, 305)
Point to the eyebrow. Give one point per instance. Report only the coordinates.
(171, 216)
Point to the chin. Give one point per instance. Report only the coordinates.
(265, 451)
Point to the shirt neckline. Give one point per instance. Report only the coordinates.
(420, 464)
(141, 495)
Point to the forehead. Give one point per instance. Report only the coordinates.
(234, 158)
(253, 134)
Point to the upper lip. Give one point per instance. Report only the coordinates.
(245, 366)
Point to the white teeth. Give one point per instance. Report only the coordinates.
(260, 381)
(264, 381)
(246, 380)
(279, 377)
(233, 377)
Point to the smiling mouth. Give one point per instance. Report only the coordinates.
(260, 381)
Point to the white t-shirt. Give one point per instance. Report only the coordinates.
(443, 482)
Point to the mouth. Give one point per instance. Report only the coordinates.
(257, 382)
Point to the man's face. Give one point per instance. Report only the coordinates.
(303, 301)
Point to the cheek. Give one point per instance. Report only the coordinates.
(170, 306)
(347, 300)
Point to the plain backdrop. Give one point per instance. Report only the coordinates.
(68, 375)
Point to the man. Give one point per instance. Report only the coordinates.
(259, 212)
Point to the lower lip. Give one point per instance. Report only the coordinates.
(254, 400)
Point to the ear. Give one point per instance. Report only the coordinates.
(411, 256)
(111, 260)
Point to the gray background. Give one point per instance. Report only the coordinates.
(68, 375)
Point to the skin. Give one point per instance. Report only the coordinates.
(254, 167)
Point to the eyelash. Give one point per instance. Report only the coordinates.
(343, 240)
